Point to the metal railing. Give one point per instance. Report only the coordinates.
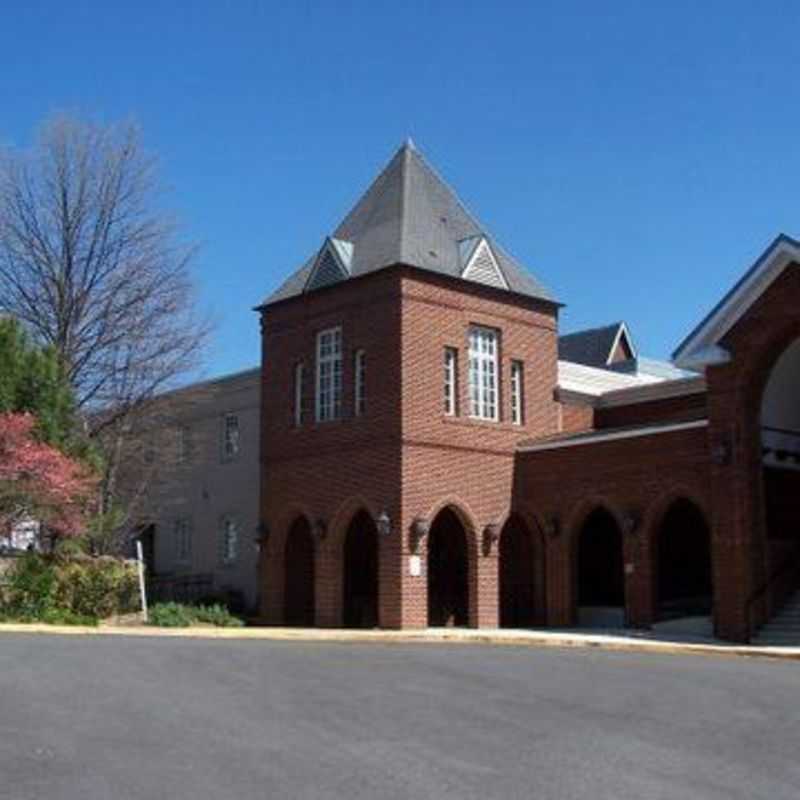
(783, 571)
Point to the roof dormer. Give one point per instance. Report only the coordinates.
(332, 264)
(479, 263)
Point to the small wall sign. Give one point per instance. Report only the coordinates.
(414, 566)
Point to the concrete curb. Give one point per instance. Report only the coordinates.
(447, 636)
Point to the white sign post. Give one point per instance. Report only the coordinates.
(140, 564)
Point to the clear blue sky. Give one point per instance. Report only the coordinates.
(636, 156)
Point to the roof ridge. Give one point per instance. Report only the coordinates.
(407, 150)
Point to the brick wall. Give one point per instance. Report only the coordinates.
(636, 480)
(404, 456)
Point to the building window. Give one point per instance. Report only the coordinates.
(183, 540)
(183, 444)
(450, 381)
(229, 539)
(230, 437)
(329, 375)
(299, 379)
(359, 368)
(483, 373)
(517, 393)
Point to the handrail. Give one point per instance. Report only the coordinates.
(793, 562)
(789, 431)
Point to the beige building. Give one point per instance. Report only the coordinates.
(202, 496)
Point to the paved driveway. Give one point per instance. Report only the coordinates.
(85, 718)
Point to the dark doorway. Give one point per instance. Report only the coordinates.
(448, 589)
(299, 575)
(360, 601)
(684, 563)
(601, 578)
(517, 576)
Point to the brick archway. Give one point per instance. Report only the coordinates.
(360, 573)
(299, 575)
(520, 578)
(683, 574)
(599, 570)
(448, 570)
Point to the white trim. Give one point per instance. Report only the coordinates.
(612, 436)
(652, 391)
(701, 347)
(623, 329)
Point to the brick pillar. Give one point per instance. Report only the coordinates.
(271, 575)
(560, 577)
(484, 589)
(391, 561)
(736, 521)
(413, 589)
(638, 584)
(328, 583)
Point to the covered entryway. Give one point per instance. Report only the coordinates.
(360, 585)
(448, 571)
(600, 573)
(684, 563)
(299, 575)
(517, 575)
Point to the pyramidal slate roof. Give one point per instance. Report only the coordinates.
(592, 347)
(410, 216)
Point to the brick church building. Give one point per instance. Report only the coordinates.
(433, 453)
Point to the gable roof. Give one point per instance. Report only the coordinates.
(701, 347)
(410, 216)
(594, 347)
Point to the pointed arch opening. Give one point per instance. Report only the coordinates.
(684, 563)
(299, 599)
(360, 584)
(448, 571)
(517, 575)
(601, 573)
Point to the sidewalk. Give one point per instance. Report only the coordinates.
(621, 640)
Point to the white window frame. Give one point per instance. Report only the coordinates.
(517, 392)
(360, 388)
(329, 375)
(231, 437)
(182, 536)
(450, 381)
(484, 383)
(229, 539)
(299, 380)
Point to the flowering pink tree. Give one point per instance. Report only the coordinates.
(39, 482)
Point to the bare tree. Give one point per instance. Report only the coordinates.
(92, 266)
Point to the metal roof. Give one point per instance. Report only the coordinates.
(410, 216)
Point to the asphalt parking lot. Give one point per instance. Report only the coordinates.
(113, 717)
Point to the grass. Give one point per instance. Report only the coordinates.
(180, 615)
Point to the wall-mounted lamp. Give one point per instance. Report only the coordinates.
(419, 530)
(320, 529)
(630, 523)
(552, 526)
(262, 535)
(384, 523)
(491, 535)
(721, 452)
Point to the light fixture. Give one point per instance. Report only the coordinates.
(384, 523)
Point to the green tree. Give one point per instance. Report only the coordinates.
(32, 380)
